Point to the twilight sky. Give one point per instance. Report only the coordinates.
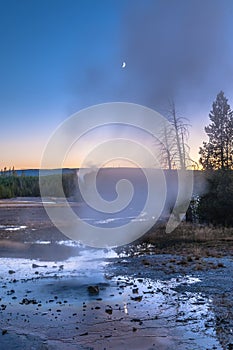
(59, 56)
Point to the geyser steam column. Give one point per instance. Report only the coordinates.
(103, 152)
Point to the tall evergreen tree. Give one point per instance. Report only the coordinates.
(217, 153)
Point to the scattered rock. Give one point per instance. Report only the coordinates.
(4, 331)
(34, 266)
(81, 335)
(27, 301)
(220, 265)
(135, 320)
(189, 258)
(148, 292)
(10, 292)
(138, 298)
(108, 309)
(93, 290)
(11, 272)
(146, 262)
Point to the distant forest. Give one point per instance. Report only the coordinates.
(214, 206)
(12, 185)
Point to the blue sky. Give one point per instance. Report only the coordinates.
(48, 46)
(59, 56)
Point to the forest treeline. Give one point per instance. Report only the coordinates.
(216, 158)
(28, 186)
(215, 206)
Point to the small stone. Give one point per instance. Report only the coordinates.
(108, 309)
(93, 290)
(34, 266)
(81, 335)
(135, 320)
(10, 292)
(138, 298)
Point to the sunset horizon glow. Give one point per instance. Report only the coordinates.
(58, 59)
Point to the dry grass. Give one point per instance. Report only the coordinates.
(194, 240)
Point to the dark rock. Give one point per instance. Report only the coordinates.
(139, 298)
(135, 320)
(27, 301)
(108, 309)
(93, 290)
(10, 292)
(34, 266)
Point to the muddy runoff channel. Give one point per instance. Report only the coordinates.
(62, 295)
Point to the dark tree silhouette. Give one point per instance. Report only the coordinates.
(217, 153)
(173, 146)
(216, 206)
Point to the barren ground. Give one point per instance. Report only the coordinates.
(164, 292)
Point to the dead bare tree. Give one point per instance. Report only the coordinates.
(167, 146)
(173, 141)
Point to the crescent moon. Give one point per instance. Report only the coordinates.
(123, 64)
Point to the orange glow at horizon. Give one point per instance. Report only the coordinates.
(27, 153)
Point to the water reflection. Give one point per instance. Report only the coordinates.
(56, 292)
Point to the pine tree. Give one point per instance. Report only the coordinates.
(217, 153)
(216, 205)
